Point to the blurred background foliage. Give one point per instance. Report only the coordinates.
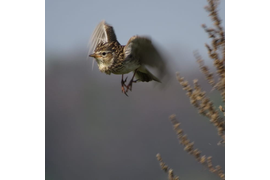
(93, 131)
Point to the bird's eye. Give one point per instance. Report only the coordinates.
(103, 53)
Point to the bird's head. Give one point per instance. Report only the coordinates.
(104, 55)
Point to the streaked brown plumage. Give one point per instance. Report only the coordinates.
(112, 57)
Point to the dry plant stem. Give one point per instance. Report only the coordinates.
(216, 48)
(189, 147)
(198, 98)
(205, 70)
(203, 104)
(165, 168)
(222, 110)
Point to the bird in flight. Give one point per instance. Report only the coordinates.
(136, 55)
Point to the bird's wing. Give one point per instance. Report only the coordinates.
(142, 48)
(102, 33)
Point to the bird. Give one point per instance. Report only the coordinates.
(136, 56)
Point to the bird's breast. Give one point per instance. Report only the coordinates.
(126, 67)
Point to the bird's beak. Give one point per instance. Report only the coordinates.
(92, 55)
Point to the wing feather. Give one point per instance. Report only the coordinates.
(143, 49)
(102, 33)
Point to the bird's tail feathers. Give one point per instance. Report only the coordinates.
(142, 74)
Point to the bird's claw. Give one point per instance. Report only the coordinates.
(124, 91)
(129, 86)
(123, 83)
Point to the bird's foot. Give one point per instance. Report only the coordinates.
(125, 88)
(123, 85)
(129, 86)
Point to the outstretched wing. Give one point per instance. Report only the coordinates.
(102, 33)
(143, 49)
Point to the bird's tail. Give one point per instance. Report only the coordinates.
(142, 74)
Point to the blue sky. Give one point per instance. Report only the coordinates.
(175, 25)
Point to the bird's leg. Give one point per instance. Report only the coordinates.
(123, 85)
(129, 86)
